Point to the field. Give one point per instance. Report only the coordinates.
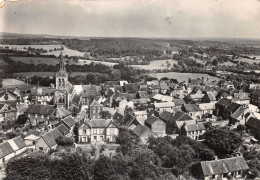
(36, 60)
(83, 61)
(183, 76)
(157, 64)
(250, 61)
(227, 63)
(66, 50)
(48, 74)
(13, 83)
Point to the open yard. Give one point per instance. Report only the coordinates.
(157, 64)
(183, 76)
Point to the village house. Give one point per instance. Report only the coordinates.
(144, 133)
(221, 106)
(164, 106)
(48, 140)
(141, 116)
(230, 168)
(241, 98)
(156, 125)
(7, 112)
(207, 108)
(98, 130)
(193, 110)
(89, 92)
(94, 110)
(240, 115)
(209, 97)
(230, 109)
(11, 148)
(254, 125)
(194, 131)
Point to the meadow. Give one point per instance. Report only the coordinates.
(66, 50)
(182, 76)
(157, 64)
(36, 60)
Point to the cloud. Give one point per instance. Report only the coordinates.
(153, 18)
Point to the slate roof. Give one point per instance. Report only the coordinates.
(253, 122)
(238, 112)
(194, 127)
(117, 117)
(180, 116)
(98, 123)
(152, 119)
(50, 137)
(60, 112)
(232, 107)
(63, 129)
(207, 106)
(143, 131)
(223, 166)
(164, 104)
(40, 109)
(127, 120)
(143, 94)
(165, 115)
(192, 107)
(69, 121)
(19, 142)
(5, 149)
(76, 99)
(178, 102)
(223, 102)
(211, 96)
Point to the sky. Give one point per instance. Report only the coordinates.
(134, 18)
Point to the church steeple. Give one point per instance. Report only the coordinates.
(61, 63)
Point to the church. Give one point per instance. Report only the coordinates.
(63, 94)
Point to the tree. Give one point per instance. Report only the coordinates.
(105, 114)
(223, 141)
(64, 141)
(22, 119)
(1, 82)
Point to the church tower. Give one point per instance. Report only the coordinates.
(61, 76)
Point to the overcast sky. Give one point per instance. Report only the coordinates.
(131, 18)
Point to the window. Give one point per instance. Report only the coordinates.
(84, 131)
(84, 139)
(41, 149)
(101, 138)
(94, 131)
(112, 131)
(95, 137)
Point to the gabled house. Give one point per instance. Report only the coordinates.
(193, 110)
(142, 95)
(69, 122)
(156, 125)
(254, 125)
(230, 109)
(193, 130)
(165, 116)
(89, 92)
(99, 130)
(8, 96)
(179, 103)
(209, 97)
(129, 121)
(164, 106)
(47, 140)
(229, 168)
(94, 110)
(7, 112)
(207, 108)
(141, 116)
(221, 106)
(241, 98)
(240, 115)
(144, 133)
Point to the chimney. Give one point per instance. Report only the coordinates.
(216, 158)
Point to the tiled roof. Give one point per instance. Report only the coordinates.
(222, 166)
(143, 94)
(232, 107)
(5, 149)
(180, 116)
(253, 122)
(50, 137)
(69, 121)
(40, 109)
(238, 112)
(98, 123)
(152, 119)
(165, 115)
(194, 127)
(63, 129)
(178, 102)
(95, 103)
(76, 99)
(164, 104)
(211, 96)
(127, 120)
(60, 112)
(223, 102)
(117, 118)
(143, 131)
(192, 107)
(19, 142)
(241, 96)
(207, 106)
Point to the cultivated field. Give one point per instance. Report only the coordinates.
(66, 50)
(250, 61)
(183, 76)
(157, 64)
(36, 60)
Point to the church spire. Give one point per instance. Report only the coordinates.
(62, 64)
